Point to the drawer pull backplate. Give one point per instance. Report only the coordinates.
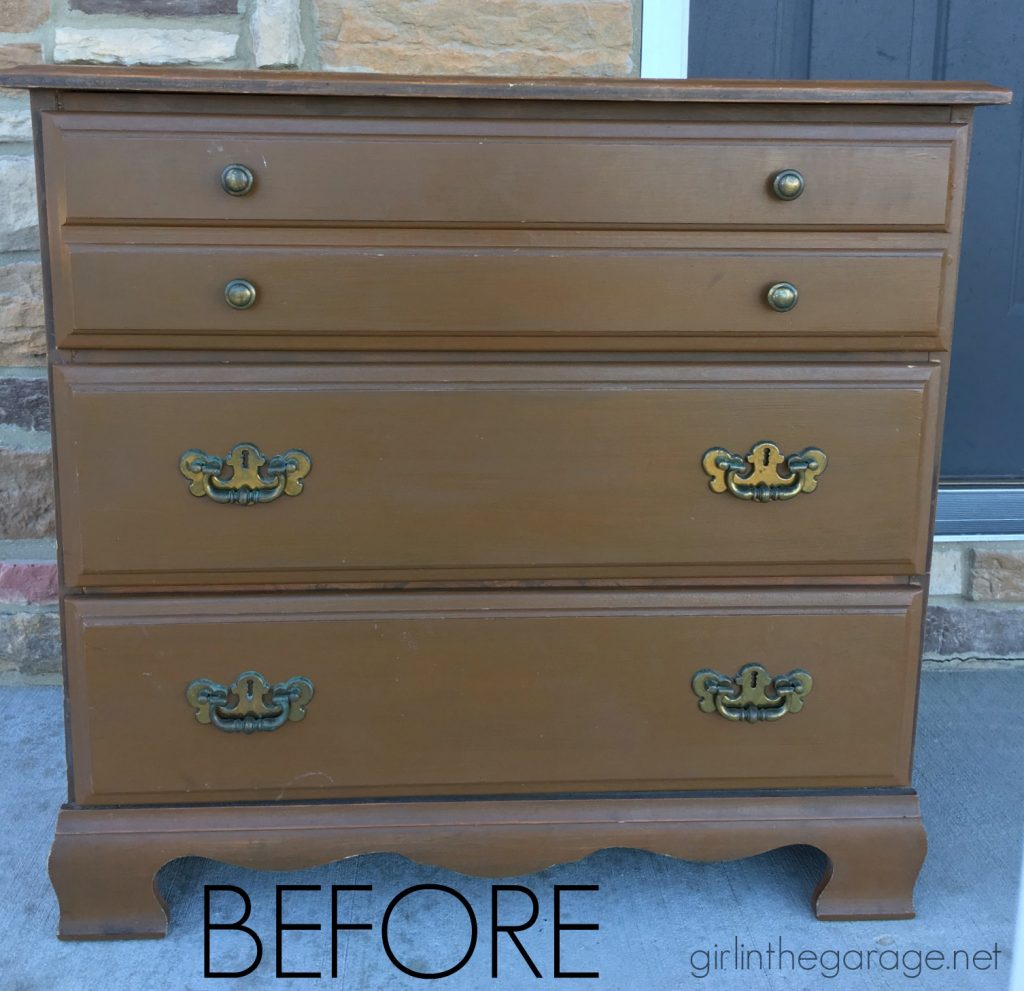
(250, 704)
(246, 476)
(752, 695)
(765, 474)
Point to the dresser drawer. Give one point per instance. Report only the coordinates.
(487, 471)
(500, 291)
(490, 172)
(485, 693)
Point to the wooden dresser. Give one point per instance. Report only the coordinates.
(568, 448)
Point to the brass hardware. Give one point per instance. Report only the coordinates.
(237, 180)
(250, 704)
(752, 695)
(788, 184)
(782, 297)
(240, 294)
(757, 476)
(253, 477)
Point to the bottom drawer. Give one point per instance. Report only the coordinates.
(485, 693)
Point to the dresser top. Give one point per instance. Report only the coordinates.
(150, 80)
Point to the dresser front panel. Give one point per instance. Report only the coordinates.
(493, 290)
(489, 172)
(489, 693)
(491, 471)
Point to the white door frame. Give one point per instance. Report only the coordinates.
(664, 39)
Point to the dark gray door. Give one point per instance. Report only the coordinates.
(922, 39)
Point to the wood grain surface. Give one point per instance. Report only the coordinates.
(316, 84)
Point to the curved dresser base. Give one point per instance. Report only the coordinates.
(104, 861)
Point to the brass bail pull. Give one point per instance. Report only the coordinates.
(245, 476)
(765, 474)
(751, 695)
(250, 704)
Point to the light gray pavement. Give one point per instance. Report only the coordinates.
(654, 912)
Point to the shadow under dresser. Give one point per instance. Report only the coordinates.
(567, 448)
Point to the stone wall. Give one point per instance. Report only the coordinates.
(976, 609)
(29, 629)
(493, 37)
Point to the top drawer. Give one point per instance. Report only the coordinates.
(497, 173)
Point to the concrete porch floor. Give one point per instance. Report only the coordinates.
(655, 913)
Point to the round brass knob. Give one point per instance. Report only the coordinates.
(240, 294)
(237, 180)
(782, 296)
(788, 184)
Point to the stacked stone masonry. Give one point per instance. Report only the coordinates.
(525, 37)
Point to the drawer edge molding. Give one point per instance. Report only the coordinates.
(455, 665)
(437, 472)
(499, 172)
(614, 292)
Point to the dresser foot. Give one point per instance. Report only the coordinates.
(106, 885)
(873, 866)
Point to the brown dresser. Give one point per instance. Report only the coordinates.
(568, 448)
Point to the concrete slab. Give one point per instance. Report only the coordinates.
(661, 920)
